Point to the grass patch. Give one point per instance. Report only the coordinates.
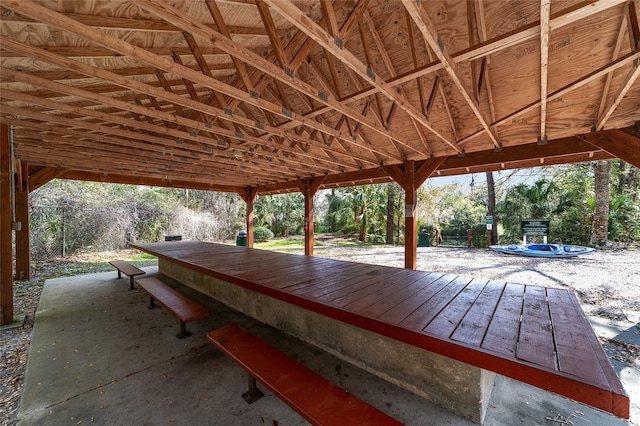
(294, 244)
(90, 263)
(279, 244)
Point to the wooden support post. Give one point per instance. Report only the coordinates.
(23, 255)
(6, 256)
(410, 178)
(308, 219)
(249, 195)
(309, 187)
(410, 217)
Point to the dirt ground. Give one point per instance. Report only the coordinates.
(607, 284)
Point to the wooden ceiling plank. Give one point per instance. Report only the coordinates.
(191, 89)
(616, 52)
(545, 31)
(133, 152)
(186, 151)
(330, 17)
(441, 92)
(101, 52)
(367, 56)
(622, 91)
(283, 60)
(79, 162)
(302, 53)
(594, 75)
(313, 30)
(473, 40)
(425, 106)
(156, 105)
(264, 79)
(392, 72)
(429, 33)
(632, 24)
(167, 87)
(482, 27)
(132, 157)
(178, 18)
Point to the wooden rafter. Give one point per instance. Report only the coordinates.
(232, 48)
(142, 25)
(432, 38)
(191, 124)
(161, 93)
(314, 31)
(497, 44)
(143, 88)
(386, 59)
(37, 11)
(634, 40)
(594, 75)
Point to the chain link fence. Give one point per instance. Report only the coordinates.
(64, 230)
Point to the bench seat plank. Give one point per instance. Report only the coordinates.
(128, 269)
(184, 308)
(315, 398)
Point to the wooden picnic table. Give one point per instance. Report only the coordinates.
(534, 334)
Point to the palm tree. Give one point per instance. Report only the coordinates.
(357, 209)
(600, 231)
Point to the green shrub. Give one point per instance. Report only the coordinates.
(479, 236)
(375, 239)
(262, 233)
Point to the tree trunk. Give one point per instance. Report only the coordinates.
(491, 190)
(599, 233)
(391, 195)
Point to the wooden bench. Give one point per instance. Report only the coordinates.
(315, 398)
(180, 305)
(128, 269)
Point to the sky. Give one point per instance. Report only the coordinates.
(510, 177)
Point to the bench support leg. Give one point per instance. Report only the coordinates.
(254, 393)
(131, 287)
(119, 274)
(152, 302)
(183, 331)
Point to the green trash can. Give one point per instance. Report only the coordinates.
(241, 239)
(423, 238)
